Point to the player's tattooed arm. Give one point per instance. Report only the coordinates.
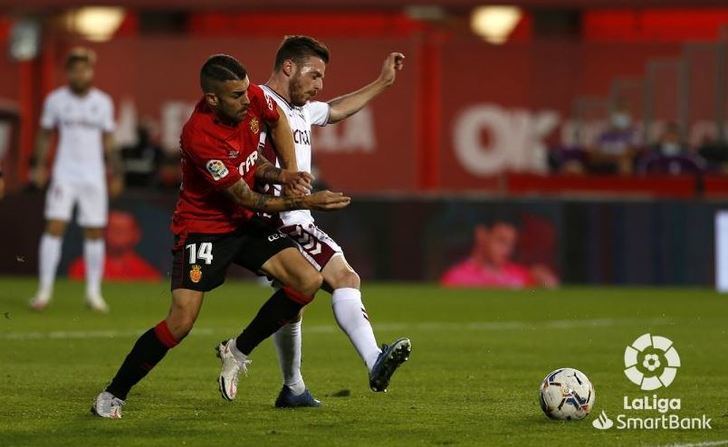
(347, 105)
(266, 172)
(322, 200)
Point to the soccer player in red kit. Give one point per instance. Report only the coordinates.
(215, 225)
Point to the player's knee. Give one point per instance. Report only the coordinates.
(345, 278)
(94, 233)
(55, 228)
(310, 283)
(181, 326)
(180, 323)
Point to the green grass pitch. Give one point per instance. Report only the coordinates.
(478, 359)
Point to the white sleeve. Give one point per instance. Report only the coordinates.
(49, 117)
(108, 124)
(319, 112)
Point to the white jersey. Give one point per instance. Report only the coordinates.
(81, 122)
(314, 113)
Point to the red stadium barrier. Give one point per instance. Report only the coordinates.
(715, 186)
(682, 187)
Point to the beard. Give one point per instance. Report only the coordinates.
(298, 96)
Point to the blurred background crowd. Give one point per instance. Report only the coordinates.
(532, 143)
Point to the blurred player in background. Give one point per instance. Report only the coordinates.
(123, 263)
(83, 116)
(490, 264)
(215, 225)
(297, 77)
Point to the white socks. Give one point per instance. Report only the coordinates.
(288, 345)
(49, 253)
(350, 315)
(352, 318)
(93, 256)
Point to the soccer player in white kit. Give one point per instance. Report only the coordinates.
(83, 116)
(297, 77)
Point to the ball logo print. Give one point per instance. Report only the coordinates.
(651, 362)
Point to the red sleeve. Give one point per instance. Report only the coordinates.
(209, 159)
(262, 105)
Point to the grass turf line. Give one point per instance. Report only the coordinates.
(478, 358)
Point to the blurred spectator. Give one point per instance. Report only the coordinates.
(122, 263)
(568, 159)
(142, 160)
(490, 264)
(670, 156)
(715, 154)
(615, 149)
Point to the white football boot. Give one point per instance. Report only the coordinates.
(107, 406)
(234, 362)
(40, 301)
(97, 303)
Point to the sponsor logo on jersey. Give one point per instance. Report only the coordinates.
(302, 137)
(254, 125)
(217, 169)
(248, 164)
(195, 273)
(233, 153)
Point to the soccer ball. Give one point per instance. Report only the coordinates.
(567, 394)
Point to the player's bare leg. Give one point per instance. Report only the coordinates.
(149, 350)
(352, 318)
(93, 256)
(301, 281)
(49, 254)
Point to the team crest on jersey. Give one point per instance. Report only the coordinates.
(217, 169)
(195, 273)
(254, 125)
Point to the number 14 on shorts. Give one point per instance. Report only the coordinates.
(204, 252)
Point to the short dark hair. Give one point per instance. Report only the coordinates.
(297, 48)
(220, 68)
(80, 54)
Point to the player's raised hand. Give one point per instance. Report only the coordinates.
(392, 64)
(296, 183)
(327, 201)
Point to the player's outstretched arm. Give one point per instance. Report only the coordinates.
(347, 105)
(321, 200)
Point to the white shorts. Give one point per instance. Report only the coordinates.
(315, 245)
(92, 200)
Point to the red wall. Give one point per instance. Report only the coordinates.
(415, 123)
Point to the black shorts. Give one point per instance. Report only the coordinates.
(200, 261)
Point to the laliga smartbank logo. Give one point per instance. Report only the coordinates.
(651, 362)
(657, 353)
